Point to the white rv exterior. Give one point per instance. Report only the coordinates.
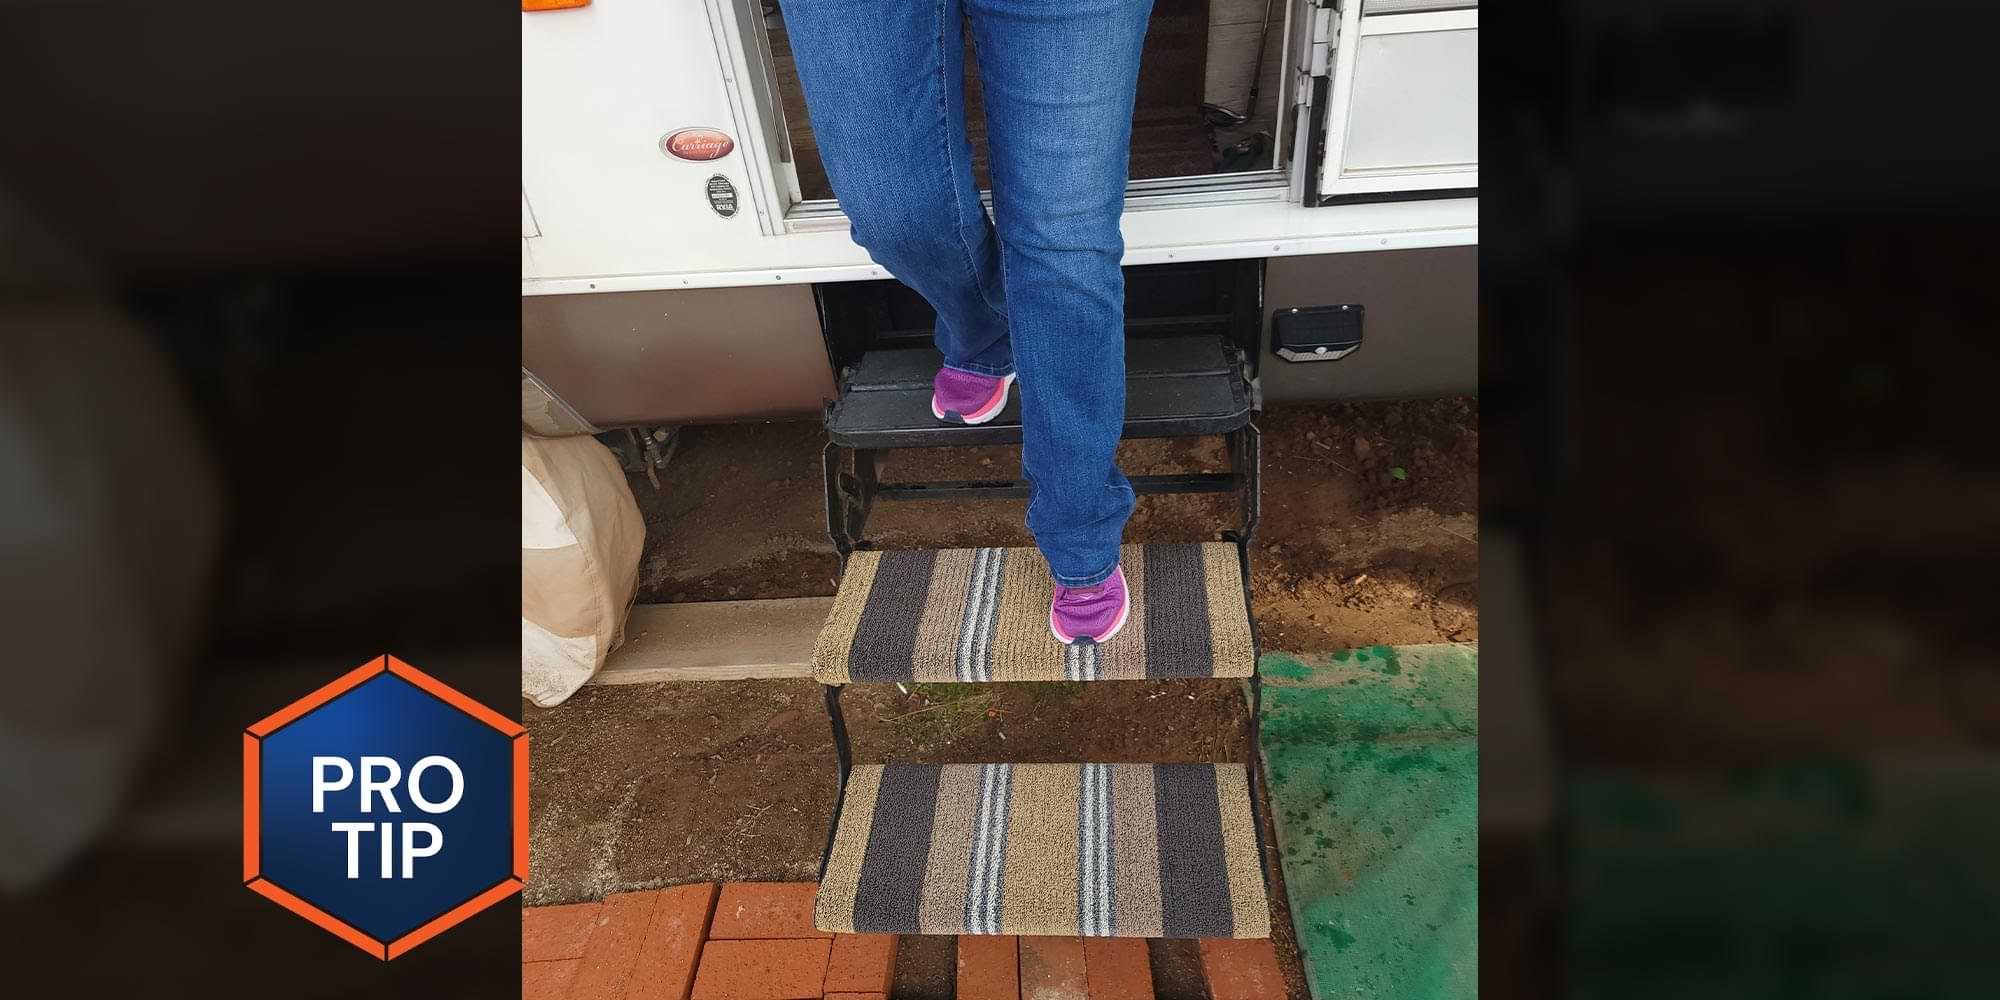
(1377, 152)
(605, 209)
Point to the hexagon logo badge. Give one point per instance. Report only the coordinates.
(385, 807)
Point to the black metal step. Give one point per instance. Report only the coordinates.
(1174, 386)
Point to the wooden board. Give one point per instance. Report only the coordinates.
(717, 641)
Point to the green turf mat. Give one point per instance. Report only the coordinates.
(1373, 759)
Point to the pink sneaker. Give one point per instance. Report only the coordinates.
(967, 398)
(1094, 613)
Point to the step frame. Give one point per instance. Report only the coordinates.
(1210, 361)
(852, 477)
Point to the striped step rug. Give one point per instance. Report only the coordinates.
(983, 615)
(1105, 850)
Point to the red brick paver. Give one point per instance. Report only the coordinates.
(759, 910)
(861, 963)
(665, 968)
(548, 980)
(857, 996)
(989, 968)
(549, 933)
(614, 946)
(1244, 969)
(1052, 968)
(1117, 969)
(761, 969)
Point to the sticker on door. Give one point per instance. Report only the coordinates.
(722, 196)
(697, 144)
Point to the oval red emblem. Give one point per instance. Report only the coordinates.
(698, 144)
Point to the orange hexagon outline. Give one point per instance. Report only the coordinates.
(252, 821)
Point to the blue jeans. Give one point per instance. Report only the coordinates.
(1035, 290)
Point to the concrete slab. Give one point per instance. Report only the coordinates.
(717, 641)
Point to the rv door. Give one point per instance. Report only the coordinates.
(1388, 100)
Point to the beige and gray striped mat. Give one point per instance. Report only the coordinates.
(1106, 850)
(983, 615)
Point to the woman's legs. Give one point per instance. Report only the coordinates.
(1058, 78)
(884, 83)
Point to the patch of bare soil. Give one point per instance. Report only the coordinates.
(1369, 531)
(926, 968)
(738, 515)
(1177, 974)
(1367, 536)
(1370, 528)
(654, 785)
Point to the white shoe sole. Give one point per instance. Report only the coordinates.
(1123, 613)
(1006, 386)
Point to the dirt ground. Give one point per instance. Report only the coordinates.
(1348, 554)
(1368, 536)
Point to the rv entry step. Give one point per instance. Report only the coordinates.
(1174, 386)
(980, 615)
(1103, 850)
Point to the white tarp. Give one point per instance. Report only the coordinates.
(581, 538)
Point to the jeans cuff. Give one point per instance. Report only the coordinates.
(987, 370)
(1091, 580)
